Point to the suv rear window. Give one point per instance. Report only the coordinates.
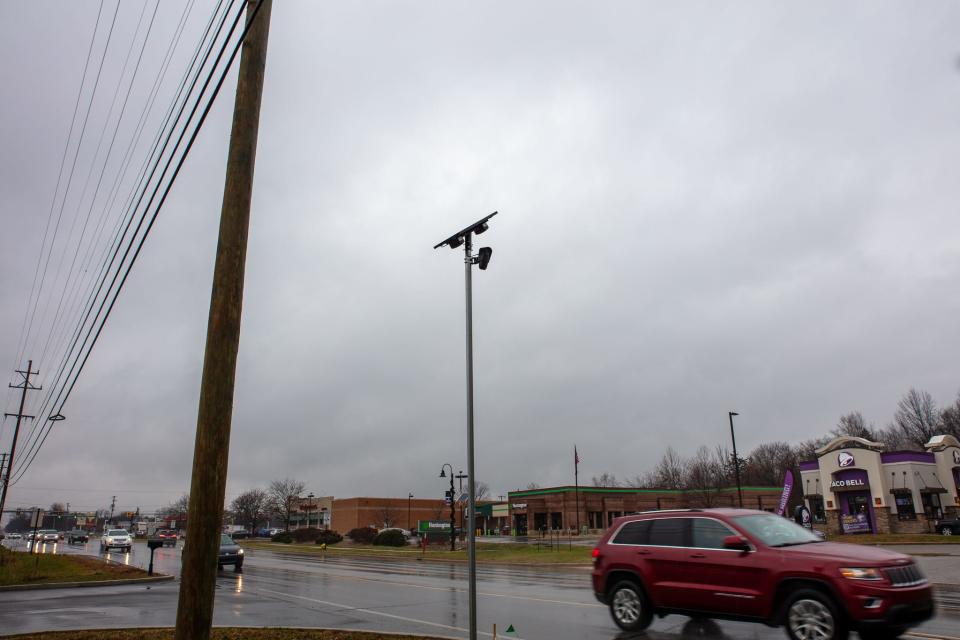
(633, 533)
(667, 532)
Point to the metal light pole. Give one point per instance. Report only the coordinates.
(409, 497)
(465, 237)
(736, 459)
(460, 477)
(309, 504)
(453, 518)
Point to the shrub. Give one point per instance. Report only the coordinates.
(391, 538)
(329, 537)
(362, 535)
(305, 535)
(283, 536)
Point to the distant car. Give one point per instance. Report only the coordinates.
(77, 535)
(230, 553)
(948, 527)
(169, 537)
(239, 535)
(48, 535)
(15, 536)
(116, 539)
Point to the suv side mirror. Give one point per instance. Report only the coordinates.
(736, 542)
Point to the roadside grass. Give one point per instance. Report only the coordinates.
(894, 538)
(500, 553)
(218, 633)
(20, 568)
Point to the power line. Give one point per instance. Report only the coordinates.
(65, 391)
(21, 343)
(142, 185)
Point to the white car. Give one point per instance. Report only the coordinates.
(48, 535)
(15, 536)
(116, 539)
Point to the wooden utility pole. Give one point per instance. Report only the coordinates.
(19, 415)
(212, 446)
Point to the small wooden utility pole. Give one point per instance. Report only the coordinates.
(212, 447)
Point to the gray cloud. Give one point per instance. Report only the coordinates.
(703, 208)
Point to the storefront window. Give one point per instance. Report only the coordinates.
(905, 510)
(931, 505)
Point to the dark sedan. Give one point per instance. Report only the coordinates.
(230, 553)
(77, 535)
(948, 527)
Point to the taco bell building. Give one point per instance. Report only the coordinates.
(854, 486)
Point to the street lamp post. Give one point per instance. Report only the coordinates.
(409, 498)
(453, 519)
(310, 497)
(482, 259)
(736, 459)
(460, 477)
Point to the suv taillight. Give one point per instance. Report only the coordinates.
(596, 556)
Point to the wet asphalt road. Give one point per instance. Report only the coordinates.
(283, 588)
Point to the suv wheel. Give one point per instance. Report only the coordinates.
(629, 606)
(947, 531)
(811, 615)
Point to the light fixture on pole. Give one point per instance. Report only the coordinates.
(736, 459)
(310, 497)
(453, 519)
(409, 498)
(465, 237)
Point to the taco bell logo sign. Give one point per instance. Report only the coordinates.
(845, 460)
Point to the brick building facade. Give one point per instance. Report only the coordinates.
(556, 508)
(350, 513)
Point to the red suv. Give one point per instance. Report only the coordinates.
(749, 565)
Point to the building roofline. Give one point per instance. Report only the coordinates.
(623, 490)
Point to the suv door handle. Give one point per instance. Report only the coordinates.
(643, 552)
(698, 555)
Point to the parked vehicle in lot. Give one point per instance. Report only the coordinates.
(78, 535)
(116, 539)
(14, 536)
(948, 527)
(230, 553)
(750, 565)
(169, 537)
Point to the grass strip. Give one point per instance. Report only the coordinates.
(501, 553)
(20, 568)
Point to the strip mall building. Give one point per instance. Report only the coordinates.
(854, 486)
(570, 508)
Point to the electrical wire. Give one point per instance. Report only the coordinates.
(156, 153)
(64, 395)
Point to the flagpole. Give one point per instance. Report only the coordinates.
(576, 484)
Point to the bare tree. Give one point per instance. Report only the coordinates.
(768, 463)
(807, 449)
(58, 507)
(705, 475)
(605, 479)
(853, 424)
(917, 417)
(251, 508)
(387, 513)
(950, 419)
(481, 491)
(177, 507)
(284, 495)
(532, 485)
(670, 472)
(645, 480)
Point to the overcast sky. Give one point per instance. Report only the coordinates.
(704, 207)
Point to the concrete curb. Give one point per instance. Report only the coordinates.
(89, 583)
(244, 626)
